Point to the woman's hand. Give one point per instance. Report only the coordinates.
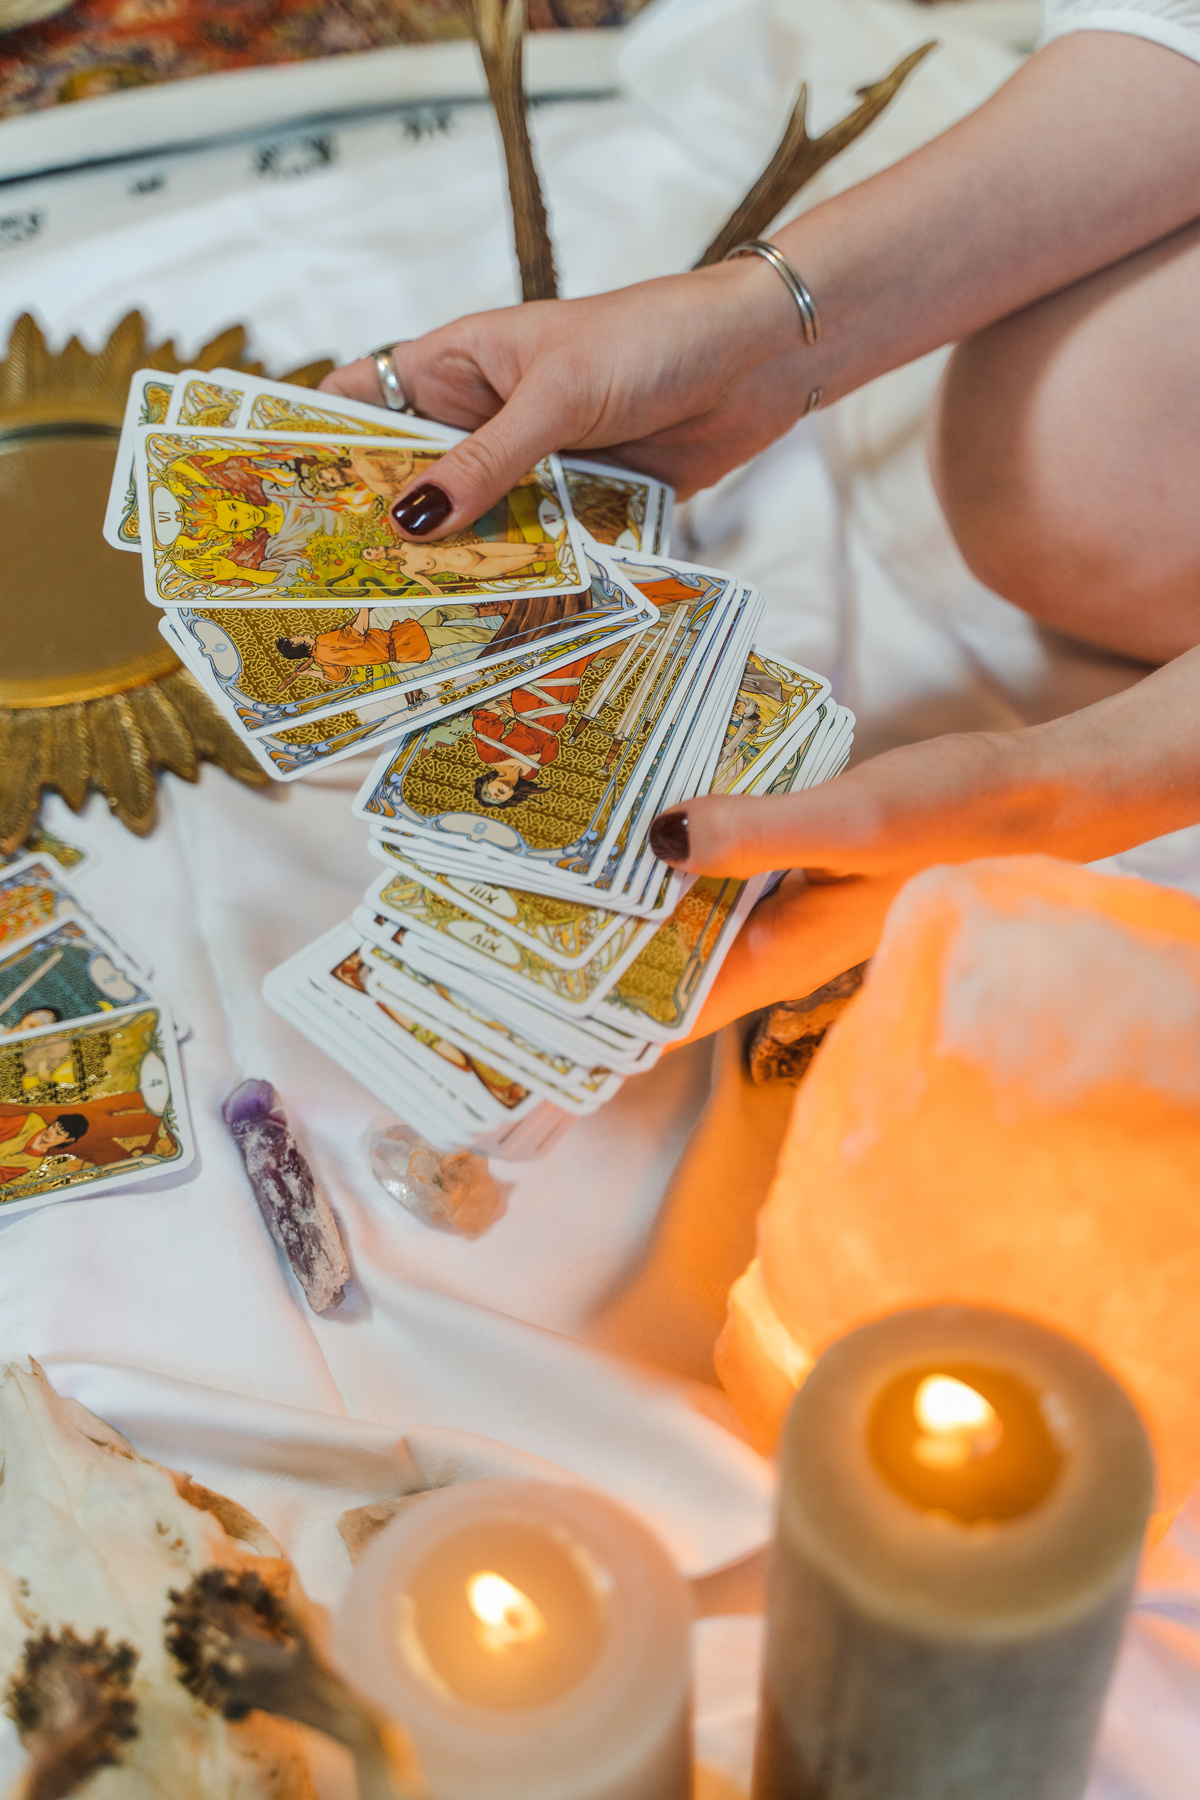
(684, 378)
(1081, 787)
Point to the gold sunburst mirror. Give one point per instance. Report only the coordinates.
(90, 696)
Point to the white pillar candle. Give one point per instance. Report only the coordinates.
(962, 1505)
(534, 1640)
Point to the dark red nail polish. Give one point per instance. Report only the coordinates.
(669, 837)
(423, 510)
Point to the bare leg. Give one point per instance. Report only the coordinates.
(1065, 448)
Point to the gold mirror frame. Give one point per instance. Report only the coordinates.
(90, 695)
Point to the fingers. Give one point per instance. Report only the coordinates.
(473, 475)
(795, 941)
(944, 800)
(356, 381)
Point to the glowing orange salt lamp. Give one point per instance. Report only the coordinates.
(1008, 1114)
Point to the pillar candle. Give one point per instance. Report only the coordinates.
(532, 1637)
(962, 1504)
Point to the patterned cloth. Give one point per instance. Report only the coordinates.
(100, 46)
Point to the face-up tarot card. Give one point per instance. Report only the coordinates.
(92, 1107)
(302, 519)
(67, 974)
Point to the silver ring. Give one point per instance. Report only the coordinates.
(814, 400)
(394, 397)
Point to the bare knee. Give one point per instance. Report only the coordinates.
(1056, 446)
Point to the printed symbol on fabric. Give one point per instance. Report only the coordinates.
(287, 158)
(20, 228)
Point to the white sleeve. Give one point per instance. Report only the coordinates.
(1175, 23)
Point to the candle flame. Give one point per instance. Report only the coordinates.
(957, 1423)
(506, 1616)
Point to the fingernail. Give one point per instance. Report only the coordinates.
(423, 510)
(669, 837)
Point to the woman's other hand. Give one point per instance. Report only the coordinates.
(1082, 787)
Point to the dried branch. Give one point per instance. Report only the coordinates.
(499, 27)
(800, 157)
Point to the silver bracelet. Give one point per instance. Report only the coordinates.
(806, 306)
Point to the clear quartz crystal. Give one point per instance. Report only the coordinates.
(451, 1189)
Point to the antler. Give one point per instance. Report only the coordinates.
(499, 27)
(800, 157)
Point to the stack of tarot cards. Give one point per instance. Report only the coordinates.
(91, 1090)
(523, 950)
(545, 683)
(260, 512)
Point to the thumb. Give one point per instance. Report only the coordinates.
(473, 475)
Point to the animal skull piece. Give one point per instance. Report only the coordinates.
(93, 1540)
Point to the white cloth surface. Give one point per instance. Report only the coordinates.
(1174, 23)
(169, 1311)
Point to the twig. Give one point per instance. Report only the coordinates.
(499, 27)
(800, 157)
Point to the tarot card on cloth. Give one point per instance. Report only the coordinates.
(67, 974)
(92, 1107)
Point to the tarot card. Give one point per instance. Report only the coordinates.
(487, 1092)
(546, 777)
(281, 665)
(302, 519)
(364, 1057)
(773, 710)
(498, 957)
(682, 767)
(619, 507)
(35, 894)
(467, 1020)
(232, 667)
(590, 1042)
(566, 932)
(99, 1107)
(661, 992)
(408, 1072)
(231, 400)
(63, 977)
(149, 396)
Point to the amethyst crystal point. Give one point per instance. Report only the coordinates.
(296, 1211)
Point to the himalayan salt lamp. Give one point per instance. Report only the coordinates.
(962, 1505)
(1007, 1114)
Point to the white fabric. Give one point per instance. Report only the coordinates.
(1174, 23)
(169, 1311)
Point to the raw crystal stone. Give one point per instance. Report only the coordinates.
(1008, 1113)
(453, 1190)
(295, 1210)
